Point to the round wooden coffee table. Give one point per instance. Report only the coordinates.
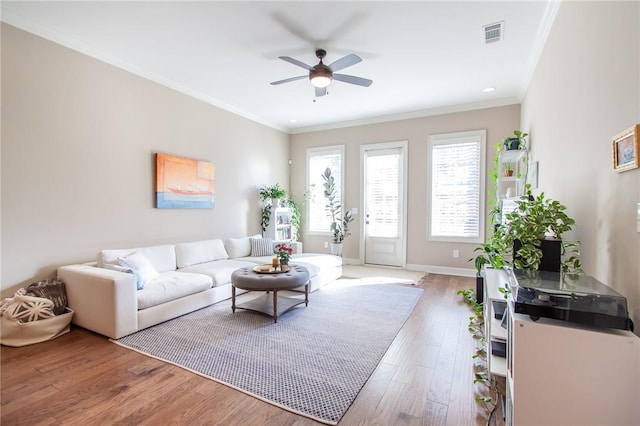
(248, 279)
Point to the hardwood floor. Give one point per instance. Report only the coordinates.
(425, 378)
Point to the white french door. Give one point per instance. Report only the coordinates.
(384, 203)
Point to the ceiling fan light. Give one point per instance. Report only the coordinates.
(320, 81)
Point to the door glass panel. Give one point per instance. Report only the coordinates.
(383, 194)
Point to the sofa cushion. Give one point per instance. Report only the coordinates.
(188, 254)
(163, 257)
(261, 246)
(139, 263)
(220, 270)
(170, 286)
(315, 262)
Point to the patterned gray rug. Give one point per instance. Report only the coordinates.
(312, 362)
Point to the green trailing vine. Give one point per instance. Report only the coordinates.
(296, 215)
(488, 398)
(266, 217)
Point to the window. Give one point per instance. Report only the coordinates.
(456, 211)
(318, 159)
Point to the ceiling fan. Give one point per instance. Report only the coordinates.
(321, 75)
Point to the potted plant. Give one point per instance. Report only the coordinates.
(284, 252)
(533, 235)
(516, 142)
(339, 223)
(272, 196)
(507, 169)
(274, 193)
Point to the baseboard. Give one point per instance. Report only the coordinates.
(444, 270)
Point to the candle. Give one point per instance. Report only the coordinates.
(275, 262)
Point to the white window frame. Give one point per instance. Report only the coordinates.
(320, 203)
(477, 136)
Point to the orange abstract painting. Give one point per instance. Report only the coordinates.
(184, 183)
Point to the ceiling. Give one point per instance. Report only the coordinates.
(424, 57)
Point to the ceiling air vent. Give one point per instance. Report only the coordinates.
(493, 32)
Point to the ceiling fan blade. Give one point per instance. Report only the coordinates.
(295, 62)
(321, 91)
(345, 62)
(287, 80)
(353, 79)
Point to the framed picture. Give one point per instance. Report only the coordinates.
(625, 149)
(184, 183)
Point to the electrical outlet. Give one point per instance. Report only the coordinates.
(326, 244)
(456, 253)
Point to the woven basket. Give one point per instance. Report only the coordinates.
(16, 333)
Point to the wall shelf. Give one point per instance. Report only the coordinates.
(511, 186)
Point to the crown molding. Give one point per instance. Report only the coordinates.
(410, 115)
(540, 40)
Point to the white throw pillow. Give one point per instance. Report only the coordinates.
(128, 270)
(137, 262)
(261, 247)
(238, 247)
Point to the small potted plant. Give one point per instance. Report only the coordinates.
(517, 141)
(507, 169)
(274, 193)
(284, 251)
(339, 223)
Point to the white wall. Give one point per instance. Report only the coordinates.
(585, 89)
(78, 144)
(434, 256)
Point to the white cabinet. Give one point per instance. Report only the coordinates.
(512, 173)
(280, 227)
(561, 373)
(493, 330)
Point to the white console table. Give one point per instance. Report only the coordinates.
(561, 373)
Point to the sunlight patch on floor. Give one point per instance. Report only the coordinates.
(354, 275)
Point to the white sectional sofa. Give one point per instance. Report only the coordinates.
(175, 278)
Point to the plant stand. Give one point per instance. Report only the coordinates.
(551, 254)
(479, 288)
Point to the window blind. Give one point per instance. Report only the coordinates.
(456, 200)
(317, 161)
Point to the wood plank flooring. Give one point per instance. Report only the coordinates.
(425, 378)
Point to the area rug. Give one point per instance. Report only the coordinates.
(312, 362)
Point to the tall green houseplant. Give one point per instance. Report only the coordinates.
(339, 222)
